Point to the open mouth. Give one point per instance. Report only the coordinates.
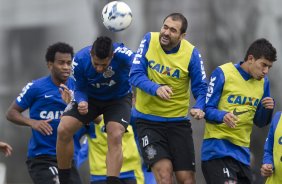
(165, 39)
(66, 74)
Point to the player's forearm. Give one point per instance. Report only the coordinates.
(199, 91)
(148, 86)
(263, 116)
(80, 96)
(200, 102)
(17, 118)
(213, 115)
(199, 85)
(80, 91)
(141, 81)
(267, 158)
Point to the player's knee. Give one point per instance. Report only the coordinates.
(115, 137)
(164, 172)
(186, 177)
(165, 176)
(115, 132)
(190, 180)
(63, 133)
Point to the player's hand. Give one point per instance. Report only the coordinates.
(230, 120)
(266, 170)
(267, 103)
(65, 93)
(164, 92)
(6, 148)
(197, 113)
(83, 108)
(98, 119)
(42, 126)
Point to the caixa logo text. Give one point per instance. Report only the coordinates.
(243, 100)
(51, 114)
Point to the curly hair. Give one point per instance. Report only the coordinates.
(58, 47)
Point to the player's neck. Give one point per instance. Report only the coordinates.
(245, 67)
(57, 82)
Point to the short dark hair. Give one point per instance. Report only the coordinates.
(261, 48)
(180, 17)
(58, 47)
(102, 47)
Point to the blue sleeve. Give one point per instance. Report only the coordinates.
(213, 115)
(27, 96)
(198, 79)
(263, 116)
(138, 74)
(268, 146)
(80, 81)
(82, 154)
(124, 54)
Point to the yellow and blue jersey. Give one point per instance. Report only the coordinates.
(231, 89)
(273, 149)
(153, 67)
(109, 85)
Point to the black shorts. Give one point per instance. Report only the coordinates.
(173, 140)
(44, 170)
(226, 170)
(115, 110)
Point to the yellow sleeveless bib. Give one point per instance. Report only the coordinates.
(242, 98)
(171, 70)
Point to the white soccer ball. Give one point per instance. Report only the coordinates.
(116, 16)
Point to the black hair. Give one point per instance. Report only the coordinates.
(58, 47)
(102, 47)
(180, 17)
(261, 48)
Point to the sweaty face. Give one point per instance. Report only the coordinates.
(170, 34)
(100, 65)
(259, 68)
(61, 67)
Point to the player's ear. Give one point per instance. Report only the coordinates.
(110, 57)
(182, 36)
(49, 64)
(251, 59)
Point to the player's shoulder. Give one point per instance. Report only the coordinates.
(119, 47)
(41, 82)
(71, 80)
(229, 64)
(148, 36)
(195, 55)
(218, 73)
(71, 83)
(120, 50)
(276, 119)
(82, 53)
(36, 86)
(118, 44)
